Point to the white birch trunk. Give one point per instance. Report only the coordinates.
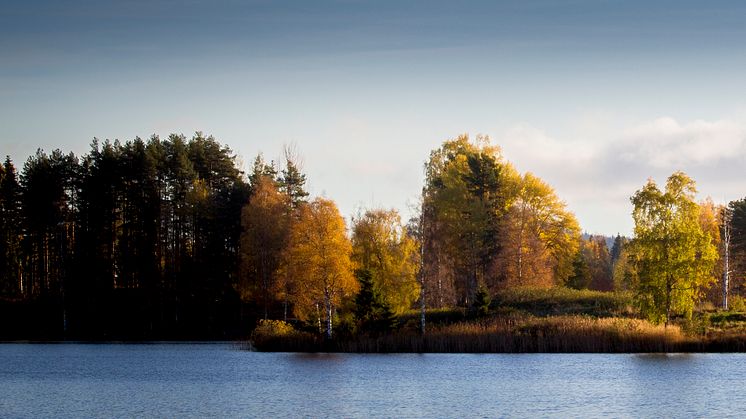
(726, 251)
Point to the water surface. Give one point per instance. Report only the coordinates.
(219, 380)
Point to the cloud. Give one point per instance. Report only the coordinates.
(524, 144)
(666, 143)
(596, 176)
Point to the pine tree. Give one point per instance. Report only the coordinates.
(373, 314)
(10, 232)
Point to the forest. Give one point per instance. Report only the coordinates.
(169, 239)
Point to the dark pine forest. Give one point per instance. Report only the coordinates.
(135, 240)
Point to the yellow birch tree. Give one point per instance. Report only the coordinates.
(319, 252)
(381, 245)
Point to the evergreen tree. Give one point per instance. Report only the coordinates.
(482, 301)
(616, 248)
(261, 169)
(48, 197)
(371, 310)
(293, 182)
(10, 232)
(581, 276)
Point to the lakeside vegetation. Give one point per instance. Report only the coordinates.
(525, 320)
(168, 239)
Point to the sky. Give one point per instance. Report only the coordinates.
(595, 97)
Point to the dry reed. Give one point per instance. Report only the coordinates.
(508, 334)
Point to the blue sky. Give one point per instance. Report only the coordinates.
(593, 96)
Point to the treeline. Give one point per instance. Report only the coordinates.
(133, 240)
(169, 239)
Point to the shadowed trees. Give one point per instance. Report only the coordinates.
(11, 285)
(136, 239)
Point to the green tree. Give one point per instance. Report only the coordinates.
(292, 180)
(617, 247)
(372, 312)
(624, 274)
(581, 274)
(674, 257)
(482, 301)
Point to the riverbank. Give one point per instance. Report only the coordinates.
(532, 321)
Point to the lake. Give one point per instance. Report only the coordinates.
(222, 380)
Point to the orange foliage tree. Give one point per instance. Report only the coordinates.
(319, 253)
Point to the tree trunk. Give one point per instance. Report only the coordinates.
(422, 289)
(318, 318)
(669, 287)
(328, 304)
(726, 251)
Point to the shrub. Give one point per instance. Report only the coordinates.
(737, 303)
(272, 328)
(273, 335)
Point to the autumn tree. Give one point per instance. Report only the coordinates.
(320, 250)
(382, 246)
(264, 222)
(464, 198)
(674, 257)
(540, 236)
(710, 220)
(599, 261)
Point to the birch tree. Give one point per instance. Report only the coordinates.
(319, 250)
(383, 246)
(265, 234)
(673, 255)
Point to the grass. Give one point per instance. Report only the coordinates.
(508, 334)
(535, 320)
(565, 301)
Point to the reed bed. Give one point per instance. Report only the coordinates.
(553, 320)
(509, 334)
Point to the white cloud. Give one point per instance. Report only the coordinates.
(596, 176)
(666, 143)
(529, 147)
